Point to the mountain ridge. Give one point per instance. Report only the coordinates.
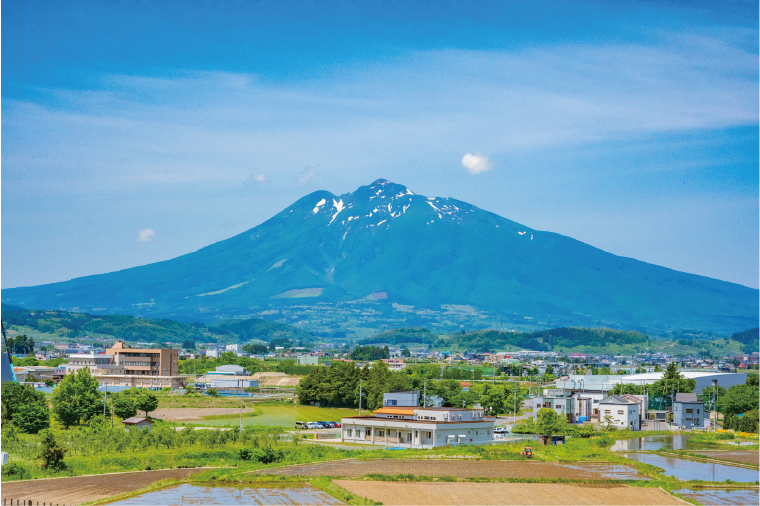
(417, 251)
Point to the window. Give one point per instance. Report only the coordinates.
(558, 406)
(348, 432)
(621, 412)
(606, 411)
(429, 434)
(689, 410)
(380, 433)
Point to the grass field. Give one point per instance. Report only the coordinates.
(286, 415)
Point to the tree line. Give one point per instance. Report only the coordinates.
(339, 385)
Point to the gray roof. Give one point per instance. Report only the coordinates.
(687, 398)
(616, 399)
(135, 420)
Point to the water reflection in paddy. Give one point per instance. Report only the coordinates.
(720, 497)
(691, 470)
(675, 442)
(230, 495)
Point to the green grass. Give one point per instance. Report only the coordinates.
(286, 415)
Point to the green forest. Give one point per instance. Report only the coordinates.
(68, 325)
(405, 335)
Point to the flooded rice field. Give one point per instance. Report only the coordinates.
(187, 494)
(462, 469)
(725, 496)
(649, 443)
(691, 470)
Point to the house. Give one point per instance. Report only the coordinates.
(394, 364)
(556, 400)
(689, 412)
(624, 413)
(138, 422)
(416, 427)
(235, 348)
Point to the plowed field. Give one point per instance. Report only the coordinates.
(506, 494)
(81, 489)
(461, 469)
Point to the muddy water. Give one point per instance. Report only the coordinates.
(676, 442)
(720, 497)
(187, 494)
(690, 470)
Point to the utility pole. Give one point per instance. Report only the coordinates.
(514, 413)
(105, 393)
(241, 403)
(360, 397)
(424, 398)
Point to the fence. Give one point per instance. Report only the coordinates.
(27, 502)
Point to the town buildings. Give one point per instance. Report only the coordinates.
(623, 413)
(145, 361)
(689, 412)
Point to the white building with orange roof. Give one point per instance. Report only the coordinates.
(418, 427)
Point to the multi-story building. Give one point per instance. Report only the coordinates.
(145, 361)
(394, 364)
(93, 362)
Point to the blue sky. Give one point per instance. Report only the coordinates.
(134, 132)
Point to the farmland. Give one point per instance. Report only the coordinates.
(286, 415)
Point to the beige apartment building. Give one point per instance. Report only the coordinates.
(145, 361)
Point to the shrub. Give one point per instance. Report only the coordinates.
(213, 392)
(725, 435)
(14, 470)
(267, 455)
(32, 418)
(52, 452)
(245, 454)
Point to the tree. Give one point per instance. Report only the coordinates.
(255, 349)
(76, 398)
(548, 422)
(739, 399)
(123, 407)
(657, 368)
(549, 369)
(26, 362)
(640, 370)
(752, 380)
(213, 392)
(52, 452)
(672, 373)
(32, 418)
(147, 401)
(609, 423)
(406, 353)
(228, 357)
(14, 395)
(188, 344)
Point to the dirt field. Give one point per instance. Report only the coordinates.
(505, 493)
(461, 469)
(185, 414)
(745, 457)
(87, 488)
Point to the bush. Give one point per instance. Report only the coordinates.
(213, 392)
(32, 418)
(245, 454)
(725, 435)
(52, 452)
(267, 455)
(14, 470)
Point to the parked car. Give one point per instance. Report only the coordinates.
(328, 425)
(302, 425)
(313, 425)
(338, 425)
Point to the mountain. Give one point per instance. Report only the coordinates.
(412, 258)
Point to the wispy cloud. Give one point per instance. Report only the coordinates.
(202, 127)
(475, 164)
(146, 235)
(307, 174)
(256, 179)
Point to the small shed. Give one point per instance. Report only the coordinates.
(553, 440)
(139, 422)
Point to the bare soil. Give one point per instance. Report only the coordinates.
(460, 469)
(81, 489)
(506, 493)
(743, 457)
(184, 414)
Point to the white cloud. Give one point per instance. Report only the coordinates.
(146, 235)
(259, 178)
(475, 164)
(307, 174)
